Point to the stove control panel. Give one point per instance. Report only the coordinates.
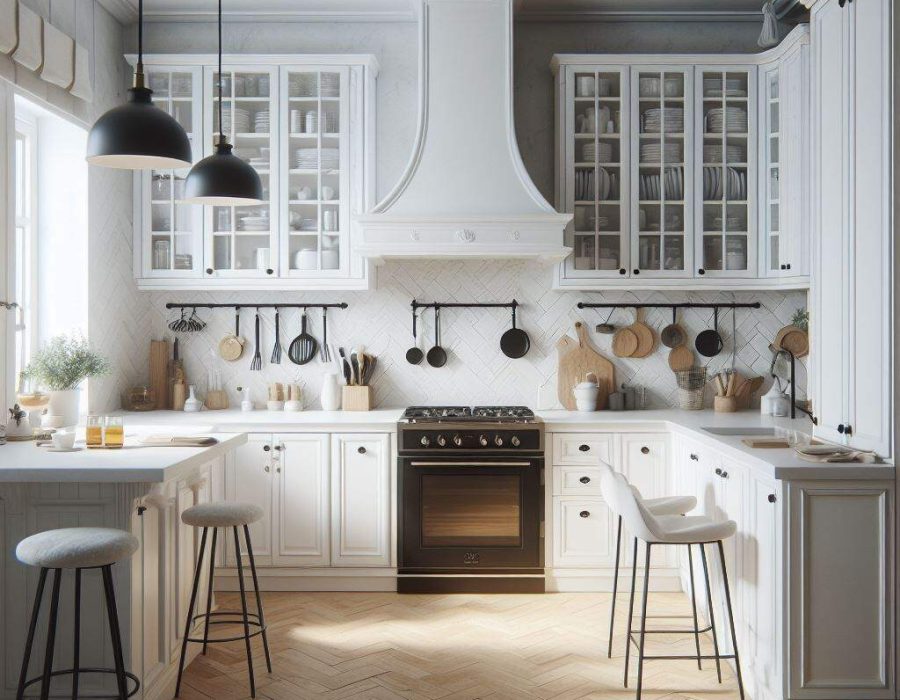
(475, 439)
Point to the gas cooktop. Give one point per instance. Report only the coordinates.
(457, 414)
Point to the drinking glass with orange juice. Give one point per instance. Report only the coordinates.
(93, 431)
(114, 432)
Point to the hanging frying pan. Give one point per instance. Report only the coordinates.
(709, 342)
(515, 342)
(414, 355)
(673, 335)
(437, 356)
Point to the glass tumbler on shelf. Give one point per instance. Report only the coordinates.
(114, 431)
(93, 431)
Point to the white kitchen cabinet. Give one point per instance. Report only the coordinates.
(300, 498)
(249, 479)
(584, 449)
(852, 318)
(584, 534)
(361, 500)
(306, 124)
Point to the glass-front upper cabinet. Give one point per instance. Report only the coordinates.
(661, 171)
(597, 176)
(315, 183)
(726, 180)
(243, 241)
(172, 240)
(772, 182)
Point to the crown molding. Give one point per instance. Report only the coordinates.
(638, 16)
(124, 11)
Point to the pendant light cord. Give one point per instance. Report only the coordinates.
(139, 73)
(221, 133)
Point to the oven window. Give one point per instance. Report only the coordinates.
(462, 510)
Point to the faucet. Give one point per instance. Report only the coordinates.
(784, 351)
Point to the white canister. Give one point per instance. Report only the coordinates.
(306, 259)
(329, 220)
(312, 122)
(330, 395)
(586, 396)
(766, 401)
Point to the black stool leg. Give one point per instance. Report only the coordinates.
(51, 635)
(640, 678)
(240, 571)
(737, 660)
(630, 610)
(114, 632)
(612, 609)
(187, 624)
(29, 641)
(259, 608)
(712, 616)
(209, 589)
(76, 651)
(694, 607)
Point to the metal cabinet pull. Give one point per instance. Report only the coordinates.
(361, 450)
(278, 470)
(771, 498)
(694, 457)
(266, 469)
(585, 514)
(584, 448)
(585, 480)
(266, 448)
(724, 475)
(279, 448)
(718, 472)
(645, 450)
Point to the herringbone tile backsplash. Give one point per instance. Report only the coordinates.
(476, 371)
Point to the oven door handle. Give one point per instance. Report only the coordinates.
(470, 464)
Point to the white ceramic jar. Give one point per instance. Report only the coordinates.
(586, 396)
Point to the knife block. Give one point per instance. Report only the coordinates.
(356, 398)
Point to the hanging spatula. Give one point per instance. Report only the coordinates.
(303, 347)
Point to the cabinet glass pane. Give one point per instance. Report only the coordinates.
(242, 235)
(773, 191)
(726, 173)
(596, 233)
(661, 153)
(315, 140)
(171, 225)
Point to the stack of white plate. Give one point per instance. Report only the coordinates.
(673, 179)
(331, 121)
(730, 184)
(308, 158)
(602, 151)
(241, 118)
(302, 85)
(654, 153)
(733, 118)
(655, 119)
(254, 223)
(261, 122)
(734, 87)
(584, 185)
(330, 84)
(712, 153)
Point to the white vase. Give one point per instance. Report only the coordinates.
(331, 392)
(65, 404)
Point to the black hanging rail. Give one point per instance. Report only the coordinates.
(179, 305)
(683, 305)
(462, 305)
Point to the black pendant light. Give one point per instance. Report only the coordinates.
(223, 179)
(138, 135)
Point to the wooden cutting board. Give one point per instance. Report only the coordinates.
(576, 359)
(159, 372)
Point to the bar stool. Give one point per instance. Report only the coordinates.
(77, 548)
(667, 505)
(671, 530)
(224, 515)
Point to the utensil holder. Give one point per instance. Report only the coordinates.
(725, 404)
(691, 386)
(216, 400)
(356, 398)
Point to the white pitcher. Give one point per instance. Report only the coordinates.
(331, 392)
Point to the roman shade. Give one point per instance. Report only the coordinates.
(59, 57)
(29, 51)
(9, 30)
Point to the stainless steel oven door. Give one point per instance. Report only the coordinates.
(474, 514)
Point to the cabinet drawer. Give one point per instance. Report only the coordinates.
(582, 448)
(577, 481)
(583, 532)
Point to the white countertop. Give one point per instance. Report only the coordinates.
(25, 462)
(262, 421)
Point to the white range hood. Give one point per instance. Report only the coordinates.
(465, 192)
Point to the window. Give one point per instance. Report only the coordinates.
(23, 255)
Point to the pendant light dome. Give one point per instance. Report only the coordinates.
(138, 135)
(223, 179)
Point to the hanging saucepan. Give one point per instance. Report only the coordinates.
(414, 355)
(515, 342)
(673, 335)
(437, 356)
(709, 342)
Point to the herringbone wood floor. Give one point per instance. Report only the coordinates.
(380, 646)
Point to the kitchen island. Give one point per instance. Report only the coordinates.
(140, 489)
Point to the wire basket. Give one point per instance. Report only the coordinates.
(691, 386)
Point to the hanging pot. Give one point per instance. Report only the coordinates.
(673, 335)
(414, 355)
(437, 356)
(709, 343)
(515, 342)
(231, 347)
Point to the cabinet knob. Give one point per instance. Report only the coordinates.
(636, 271)
(209, 270)
(694, 457)
(645, 450)
(278, 448)
(278, 470)
(771, 498)
(718, 472)
(585, 514)
(724, 475)
(783, 266)
(584, 448)
(701, 271)
(266, 448)
(840, 428)
(788, 266)
(585, 480)
(622, 271)
(270, 271)
(848, 430)
(266, 469)
(361, 450)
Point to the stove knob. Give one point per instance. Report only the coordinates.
(482, 440)
(457, 440)
(514, 441)
(498, 441)
(426, 441)
(441, 441)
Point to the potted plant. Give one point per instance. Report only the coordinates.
(60, 366)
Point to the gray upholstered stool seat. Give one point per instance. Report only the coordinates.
(222, 514)
(76, 548)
